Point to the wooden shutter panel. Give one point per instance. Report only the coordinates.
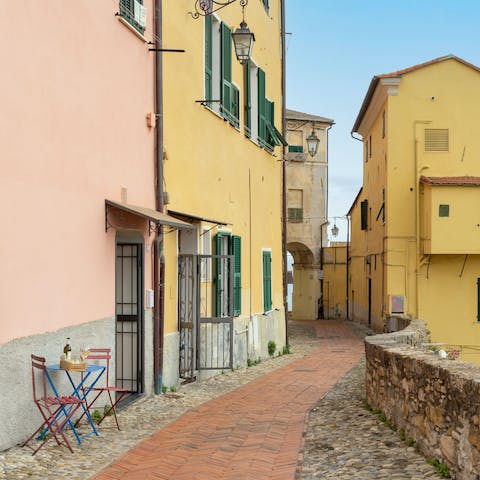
(235, 110)
(364, 214)
(236, 251)
(226, 77)
(248, 98)
(267, 281)
(208, 57)
(262, 127)
(218, 276)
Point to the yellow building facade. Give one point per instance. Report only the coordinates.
(415, 250)
(223, 174)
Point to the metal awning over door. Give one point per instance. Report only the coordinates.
(153, 216)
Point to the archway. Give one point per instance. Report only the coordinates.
(304, 289)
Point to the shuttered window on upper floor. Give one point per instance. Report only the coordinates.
(436, 140)
(134, 13)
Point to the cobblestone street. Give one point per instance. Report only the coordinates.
(343, 439)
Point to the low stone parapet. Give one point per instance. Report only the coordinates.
(435, 401)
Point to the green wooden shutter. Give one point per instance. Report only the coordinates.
(235, 110)
(364, 214)
(226, 77)
(208, 57)
(262, 127)
(236, 251)
(247, 99)
(127, 11)
(218, 276)
(270, 122)
(267, 281)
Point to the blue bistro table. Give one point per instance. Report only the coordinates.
(79, 390)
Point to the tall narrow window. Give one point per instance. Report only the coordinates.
(208, 56)
(383, 125)
(226, 244)
(370, 147)
(364, 214)
(212, 63)
(247, 105)
(236, 251)
(226, 81)
(267, 280)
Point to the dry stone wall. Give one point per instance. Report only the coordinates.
(435, 401)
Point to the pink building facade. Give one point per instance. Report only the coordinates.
(76, 90)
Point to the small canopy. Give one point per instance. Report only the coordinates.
(154, 216)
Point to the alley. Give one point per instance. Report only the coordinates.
(254, 431)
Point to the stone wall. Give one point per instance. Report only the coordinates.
(435, 401)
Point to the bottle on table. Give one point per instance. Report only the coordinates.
(67, 349)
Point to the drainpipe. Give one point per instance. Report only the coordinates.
(284, 173)
(347, 268)
(417, 209)
(158, 250)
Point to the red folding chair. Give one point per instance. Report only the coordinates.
(51, 409)
(104, 354)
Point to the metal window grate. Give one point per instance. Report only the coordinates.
(436, 140)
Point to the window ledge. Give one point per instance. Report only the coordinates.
(132, 29)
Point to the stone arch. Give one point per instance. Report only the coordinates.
(306, 283)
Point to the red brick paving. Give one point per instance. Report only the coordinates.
(253, 432)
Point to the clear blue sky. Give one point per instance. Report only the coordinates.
(335, 48)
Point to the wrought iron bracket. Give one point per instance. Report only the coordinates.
(175, 50)
(207, 7)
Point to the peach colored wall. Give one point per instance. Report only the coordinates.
(76, 85)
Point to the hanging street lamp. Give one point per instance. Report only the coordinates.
(335, 230)
(243, 40)
(312, 143)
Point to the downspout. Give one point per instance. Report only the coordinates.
(348, 244)
(158, 250)
(417, 210)
(284, 172)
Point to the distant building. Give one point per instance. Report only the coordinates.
(415, 229)
(307, 191)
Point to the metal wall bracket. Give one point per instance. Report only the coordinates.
(207, 7)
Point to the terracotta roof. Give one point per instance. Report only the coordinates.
(457, 181)
(294, 115)
(399, 73)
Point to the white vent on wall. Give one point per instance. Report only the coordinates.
(436, 139)
(140, 13)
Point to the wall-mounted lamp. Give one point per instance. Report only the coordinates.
(243, 40)
(312, 143)
(335, 230)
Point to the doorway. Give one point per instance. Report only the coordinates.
(129, 316)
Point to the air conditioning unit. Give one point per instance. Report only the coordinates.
(139, 13)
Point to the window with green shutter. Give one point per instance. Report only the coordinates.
(134, 13)
(208, 58)
(295, 148)
(295, 215)
(226, 244)
(247, 107)
(262, 120)
(226, 72)
(236, 251)
(364, 214)
(235, 107)
(267, 280)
